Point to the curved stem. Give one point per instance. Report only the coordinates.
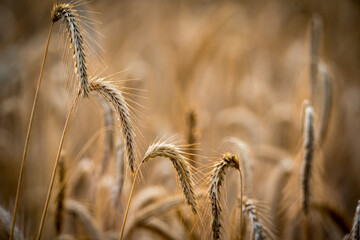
(241, 200)
(55, 167)
(28, 136)
(129, 202)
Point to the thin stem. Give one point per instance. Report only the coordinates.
(129, 202)
(241, 200)
(55, 168)
(28, 136)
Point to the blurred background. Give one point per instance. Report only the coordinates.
(240, 67)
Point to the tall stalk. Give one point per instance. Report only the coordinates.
(21, 174)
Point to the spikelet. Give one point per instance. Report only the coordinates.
(307, 157)
(217, 177)
(67, 14)
(172, 152)
(113, 95)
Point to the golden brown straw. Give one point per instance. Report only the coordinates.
(23, 160)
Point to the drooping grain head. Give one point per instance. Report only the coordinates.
(59, 10)
(172, 152)
(217, 177)
(66, 13)
(115, 97)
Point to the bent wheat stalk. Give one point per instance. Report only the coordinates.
(43, 217)
(115, 97)
(217, 177)
(67, 14)
(23, 160)
(182, 167)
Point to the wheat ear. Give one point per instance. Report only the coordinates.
(308, 153)
(115, 97)
(355, 230)
(23, 160)
(67, 14)
(172, 152)
(82, 214)
(48, 196)
(109, 134)
(259, 231)
(217, 177)
(59, 212)
(307, 157)
(5, 226)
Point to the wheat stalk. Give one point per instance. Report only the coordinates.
(23, 160)
(115, 97)
(217, 177)
(59, 212)
(242, 152)
(48, 196)
(67, 14)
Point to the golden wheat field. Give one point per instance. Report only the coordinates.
(179, 119)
